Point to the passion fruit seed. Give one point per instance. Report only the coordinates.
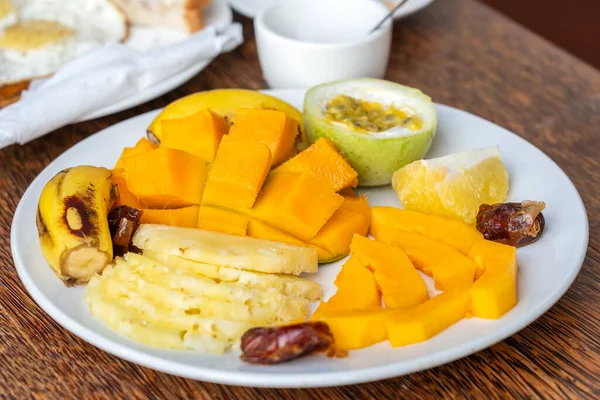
(366, 116)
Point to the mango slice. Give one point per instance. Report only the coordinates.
(199, 133)
(495, 289)
(165, 178)
(237, 174)
(335, 236)
(225, 102)
(454, 233)
(426, 320)
(356, 329)
(260, 230)
(185, 217)
(275, 129)
(399, 282)
(297, 204)
(324, 162)
(142, 146)
(222, 220)
(495, 292)
(356, 290)
(126, 198)
(449, 268)
(358, 204)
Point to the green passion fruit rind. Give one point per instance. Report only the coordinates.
(337, 111)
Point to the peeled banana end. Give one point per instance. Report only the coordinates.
(78, 265)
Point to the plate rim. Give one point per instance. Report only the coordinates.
(225, 15)
(287, 380)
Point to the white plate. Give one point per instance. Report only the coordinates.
(546, 268)
(218, 13)
(251, 8)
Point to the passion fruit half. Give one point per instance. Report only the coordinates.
(379, 126)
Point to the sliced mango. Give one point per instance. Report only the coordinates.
(495, 292)
(324, 162)
(199, 133)
(165, 178)
(222, 220)
(358, 204)
(185, 216)
(356, 329)
(356, 290)
(126, 198)
(143, 145)
(275, 129)
(260, 230)
(237, 174)
(495, 289)
(399, 282)
(449, 268)
(454, 233)
(297, 204)
(426, 320)
(335, 236)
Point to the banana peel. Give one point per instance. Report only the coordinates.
(72, 222)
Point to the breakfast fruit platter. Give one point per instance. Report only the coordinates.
(352, 232)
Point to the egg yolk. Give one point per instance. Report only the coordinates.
(34, 34)
(366, 116)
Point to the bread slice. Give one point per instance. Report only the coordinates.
(183, 15)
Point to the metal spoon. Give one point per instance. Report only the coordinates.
(390, 14)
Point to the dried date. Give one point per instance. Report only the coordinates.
(272, 345)
(122, 223)
(514, 224)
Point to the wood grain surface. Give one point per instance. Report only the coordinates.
(462, 54)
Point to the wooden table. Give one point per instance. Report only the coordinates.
(463, 54)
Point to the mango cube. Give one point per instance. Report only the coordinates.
(421, 322)
(275, 129)
(356, 290)
(142, 146)
(449, 268)
(185, 217)
(198, 134)
(335, 236)
(495, 292)
(324, 162)
(399, 282)
(165, 178)
(237, 174)
(356, 329)
(297, 204)
(222, 220)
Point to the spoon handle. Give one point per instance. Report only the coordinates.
(390, 14)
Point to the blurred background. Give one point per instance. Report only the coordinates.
(572, 25)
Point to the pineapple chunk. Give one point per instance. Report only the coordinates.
(288, 285)
(160, 328)
(181, 290)
(228, 250)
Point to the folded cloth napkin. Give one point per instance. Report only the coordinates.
(103, 77)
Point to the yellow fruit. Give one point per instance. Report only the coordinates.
(288, 285)
(72, 222)
(455, 185)
(228, 250)
(224, 102)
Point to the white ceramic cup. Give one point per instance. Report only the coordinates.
(302, 43)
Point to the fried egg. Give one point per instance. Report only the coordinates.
(38, 36)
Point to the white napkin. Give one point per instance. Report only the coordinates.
(103, 77)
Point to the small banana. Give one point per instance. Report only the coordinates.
(72, 222)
